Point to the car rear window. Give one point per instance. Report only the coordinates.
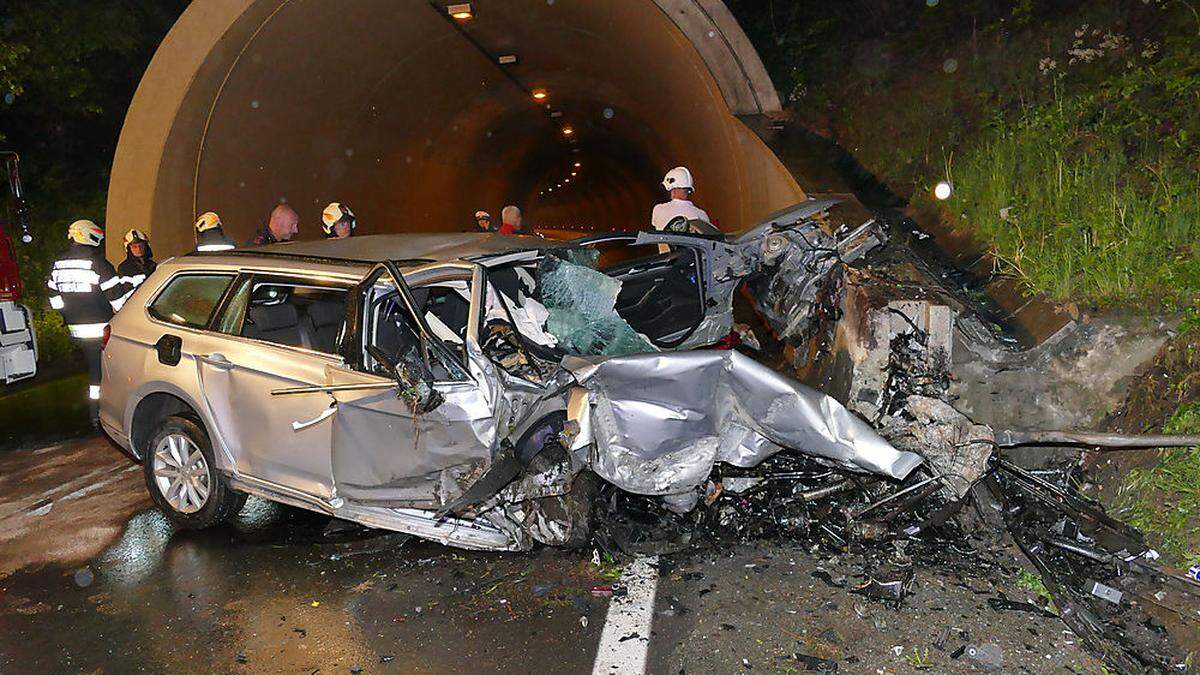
(189, 299)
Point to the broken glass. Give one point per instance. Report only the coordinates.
(581, 302)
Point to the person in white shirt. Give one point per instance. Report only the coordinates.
(677, 182)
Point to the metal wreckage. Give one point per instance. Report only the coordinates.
(655, 443)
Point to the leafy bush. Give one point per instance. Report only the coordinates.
(1069, 129)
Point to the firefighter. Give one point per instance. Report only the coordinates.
(139, 259)
(86, 290)
(337, 220)
(678, 183)
(210, 236)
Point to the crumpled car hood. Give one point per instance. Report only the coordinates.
(661, 421)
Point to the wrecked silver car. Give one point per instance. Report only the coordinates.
(464, 388)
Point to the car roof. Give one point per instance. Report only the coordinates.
(415, 247)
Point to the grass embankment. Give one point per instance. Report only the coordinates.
(1159, 492)
(1070, 130)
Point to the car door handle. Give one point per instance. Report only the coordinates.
(217, 360)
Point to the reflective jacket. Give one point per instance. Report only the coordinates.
(86, 290)
(213, 240)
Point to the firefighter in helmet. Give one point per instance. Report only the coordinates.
(87, 291)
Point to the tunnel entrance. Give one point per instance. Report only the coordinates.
(416, 118)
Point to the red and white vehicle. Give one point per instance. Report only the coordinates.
(18, 345)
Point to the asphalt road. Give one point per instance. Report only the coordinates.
(93, 579)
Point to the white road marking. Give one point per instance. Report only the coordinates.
(625, 641)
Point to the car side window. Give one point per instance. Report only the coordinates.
(394, 332)
(189, 299)
(287, 311)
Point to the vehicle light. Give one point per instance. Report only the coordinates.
(461, 11)
(943, 190)
(105, 335)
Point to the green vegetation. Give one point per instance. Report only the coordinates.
(68, 71)
(1070, 130)
(919, 659)
(54, 409)
(1034, 584)
(1163, 501)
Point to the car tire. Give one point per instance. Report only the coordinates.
(182, 477)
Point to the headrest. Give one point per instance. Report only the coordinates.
(325, 313)
(274, 317)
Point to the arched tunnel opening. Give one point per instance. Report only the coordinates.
(417, 119)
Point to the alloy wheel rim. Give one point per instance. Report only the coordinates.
(181, 473)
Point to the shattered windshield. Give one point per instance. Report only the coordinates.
(586, 302)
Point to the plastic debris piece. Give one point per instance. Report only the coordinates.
(815, 664)
(987, 656)
(889, 587)
(1003, 603)
(1104, 592)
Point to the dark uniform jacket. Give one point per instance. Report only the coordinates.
(133, 266)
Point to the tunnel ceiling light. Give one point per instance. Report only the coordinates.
(568, 131)
(574, 173)
(540, 94)
(508, 60)
(461, 11)
(578, 164)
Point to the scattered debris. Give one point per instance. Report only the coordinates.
(815, 664)
(890, 587)
(986, 656)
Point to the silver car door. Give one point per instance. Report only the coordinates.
(280, 439)
(386, 449)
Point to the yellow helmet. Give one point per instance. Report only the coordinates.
(134, 235)
(333, 213)
(207, 222)
(85, 232)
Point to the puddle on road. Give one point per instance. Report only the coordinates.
(275, 591)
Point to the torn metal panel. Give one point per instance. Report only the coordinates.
(803, 262)
(661, 421)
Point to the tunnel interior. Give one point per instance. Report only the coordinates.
(416, 119)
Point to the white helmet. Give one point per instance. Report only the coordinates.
(85, 232)
(207, 221)
(335, 213)
(677, 178)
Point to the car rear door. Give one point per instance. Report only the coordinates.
(278, 331)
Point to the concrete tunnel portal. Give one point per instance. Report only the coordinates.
(417, 119)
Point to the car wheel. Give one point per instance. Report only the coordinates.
(182, 476)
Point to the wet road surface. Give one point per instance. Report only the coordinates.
(93, 579)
